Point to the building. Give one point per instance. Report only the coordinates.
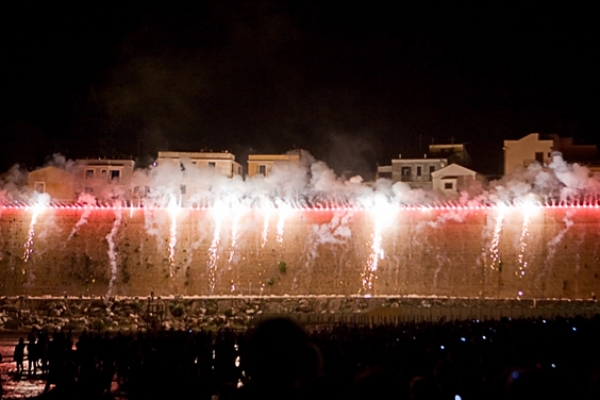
(538, 148)
(104, 178)
(416, 172)
(452, 178)
(58, 183)
(224, 163)
(454, 153)
(262, 164)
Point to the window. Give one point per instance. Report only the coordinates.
(539, 157)
(448, 185)
(89, 190)
(89, 174)
(262, 169)
(40, 187)
(406, 171)
(103, 173)
(115, 175)
(419, 171)
(212, 164)
(431, 169)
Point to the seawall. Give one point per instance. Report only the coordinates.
(479, 253)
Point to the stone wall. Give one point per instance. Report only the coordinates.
(545, 253)
(21, 314)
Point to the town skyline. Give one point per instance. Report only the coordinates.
(356, 84)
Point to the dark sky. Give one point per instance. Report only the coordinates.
(355, 83)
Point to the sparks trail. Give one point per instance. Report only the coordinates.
(30, 236)
(494, 248)
(382, 215)
(173, 212)
(521, 262)
(112, 253)
(218, 214)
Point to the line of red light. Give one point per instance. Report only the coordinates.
(306, 208)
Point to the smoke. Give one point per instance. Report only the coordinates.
(87, 200)
(312, 183)
(13, 185)
(59, 161)
(548, 184)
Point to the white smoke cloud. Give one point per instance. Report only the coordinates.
(312, 182)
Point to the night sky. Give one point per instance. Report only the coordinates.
(355, 83)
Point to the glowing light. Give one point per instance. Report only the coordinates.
(112, 254)
(36, 210)
(494, 249)
(382, 213)
(173, 210)
(284, 211)
(218, 211)
(357, 205)
(265, 232)
(234, 233)
(237, 215)
(528, 209)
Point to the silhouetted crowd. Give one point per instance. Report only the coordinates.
(503, 359)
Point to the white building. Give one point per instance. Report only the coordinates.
(416, 172)
(452, 178)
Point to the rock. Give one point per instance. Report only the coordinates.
(12, 324)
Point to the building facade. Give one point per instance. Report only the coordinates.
(262, 164)
(223, 163)
(416, 172)
(58, 183)
(538, 148)
(104, 178)
(452, 178)
(454, 153)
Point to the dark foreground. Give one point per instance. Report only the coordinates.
(494, 359)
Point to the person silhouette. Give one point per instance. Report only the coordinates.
(19, 355)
